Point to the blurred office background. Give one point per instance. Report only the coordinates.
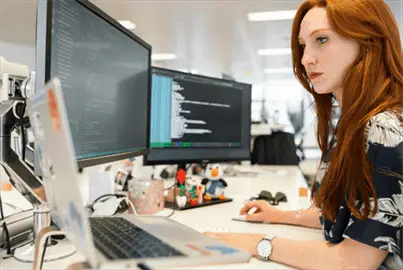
(248, 41)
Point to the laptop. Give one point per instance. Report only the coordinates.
(112, 242)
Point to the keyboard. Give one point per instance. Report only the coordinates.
(117, 238)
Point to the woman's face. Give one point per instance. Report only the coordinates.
(326, 54)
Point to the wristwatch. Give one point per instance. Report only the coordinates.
(265, 247)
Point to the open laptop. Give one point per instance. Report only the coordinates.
(117, 242)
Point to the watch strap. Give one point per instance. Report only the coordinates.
(269, 237)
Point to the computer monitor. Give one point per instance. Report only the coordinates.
(105, 74)
(198, 119)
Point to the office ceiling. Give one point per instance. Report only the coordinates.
(209, 36)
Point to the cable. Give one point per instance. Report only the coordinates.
(91, 206)
(132, 206)
(174, 204)
(23, 130)
(108, 195)
(43, 252)
(5, 227)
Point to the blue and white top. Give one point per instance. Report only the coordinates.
(384, 133)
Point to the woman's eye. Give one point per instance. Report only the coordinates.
(302, 46)
(321, 40)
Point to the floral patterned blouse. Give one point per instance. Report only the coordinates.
(384, 133)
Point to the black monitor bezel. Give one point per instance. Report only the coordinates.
(147, 161)
(87, 162)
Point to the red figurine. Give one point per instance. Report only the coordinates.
(181, 176)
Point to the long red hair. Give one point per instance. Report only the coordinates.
(372, 84)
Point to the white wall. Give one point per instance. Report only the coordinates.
(283, 95)
(18, 53)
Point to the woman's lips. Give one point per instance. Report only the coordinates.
(314, 76)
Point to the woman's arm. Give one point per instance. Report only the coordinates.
(267, 213)
(349, 254)
(304, 217)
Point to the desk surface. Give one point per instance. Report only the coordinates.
(287, 179)
(265, 129)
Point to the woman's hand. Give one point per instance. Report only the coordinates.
(244, 241)
(264, 212)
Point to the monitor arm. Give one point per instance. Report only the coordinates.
(21, 175)
(16, 86)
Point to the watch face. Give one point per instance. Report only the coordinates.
(264, 248)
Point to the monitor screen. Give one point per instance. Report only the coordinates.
(105, 74)
(196, 118)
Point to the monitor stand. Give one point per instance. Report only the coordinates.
(55, 249)
(187, 206)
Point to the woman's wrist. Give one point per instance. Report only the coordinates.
(303, 217)
(290, 217)
(279, 217)
(274, 217)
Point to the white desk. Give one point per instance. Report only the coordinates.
(265, 129)
(218, 217)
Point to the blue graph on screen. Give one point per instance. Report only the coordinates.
(161, 109)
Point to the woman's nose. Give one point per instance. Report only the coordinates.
(308, 58)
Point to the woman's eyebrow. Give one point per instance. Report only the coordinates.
(313, 32)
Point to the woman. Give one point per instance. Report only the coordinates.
(348, 51)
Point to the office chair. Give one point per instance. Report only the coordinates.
(277, 148)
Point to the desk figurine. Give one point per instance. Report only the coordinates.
(191, 185)
(214, 184)
(181, 199)
(200, 192)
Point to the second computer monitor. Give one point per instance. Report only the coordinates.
(196, 118)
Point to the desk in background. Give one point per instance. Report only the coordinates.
(265, 129)
(287, 179)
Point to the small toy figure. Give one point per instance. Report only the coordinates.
(181, 198)
(193, 201)
(199, 192)
(181, 178)
(191, 186)
(214, 184)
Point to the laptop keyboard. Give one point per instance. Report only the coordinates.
(118, 238)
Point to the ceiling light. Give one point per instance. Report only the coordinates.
(277, 70)
(128, 24)
(163, 56)
(278, 51)
(272, 15)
